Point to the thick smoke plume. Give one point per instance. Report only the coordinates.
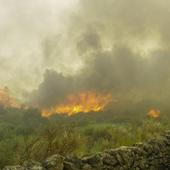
(123, 46)
(120, 47)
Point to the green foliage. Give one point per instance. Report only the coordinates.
(25, 135)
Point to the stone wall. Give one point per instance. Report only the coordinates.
(152, 155)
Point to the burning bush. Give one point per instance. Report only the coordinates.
(88, 101)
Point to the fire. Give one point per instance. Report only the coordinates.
(154, 113)
(88, 101)
(6, 100)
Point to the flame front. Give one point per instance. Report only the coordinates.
(6, 100)
(154, 113)
(84, 102)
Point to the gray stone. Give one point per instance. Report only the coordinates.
(32, 165)
(18, 167)
(108, 159)
(55, 162)
(87, 167)
(69, 166)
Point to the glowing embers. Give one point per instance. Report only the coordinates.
(6, 100)
(82, 102)
(154, 113)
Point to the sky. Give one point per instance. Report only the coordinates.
(24, 27)
(51, 48)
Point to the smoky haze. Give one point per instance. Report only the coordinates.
(121, 47)
(25, 28)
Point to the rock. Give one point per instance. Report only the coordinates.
(87, 167)
(94, 160)
(69, 166)
(55, 162)
(108, 159)
(72, 160)
(14, 168)
(32, 165)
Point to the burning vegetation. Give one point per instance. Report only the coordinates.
(6, 100)
(88, 101)
(154, 113)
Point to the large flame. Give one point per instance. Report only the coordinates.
(6, 100)
(154, 113)
(88, 101)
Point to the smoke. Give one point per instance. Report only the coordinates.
(121, 73)
(25, 27)
(54, 83)
(121, 47)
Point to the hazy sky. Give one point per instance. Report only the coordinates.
(121, 46)
(24, 25)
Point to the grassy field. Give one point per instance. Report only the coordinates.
(24, 134)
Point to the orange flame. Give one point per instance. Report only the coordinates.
(6, 100)
(154, 113)
(85, 102)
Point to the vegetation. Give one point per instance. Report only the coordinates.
(24, 134)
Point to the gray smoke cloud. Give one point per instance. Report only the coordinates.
(25, 28)
(121, 47)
